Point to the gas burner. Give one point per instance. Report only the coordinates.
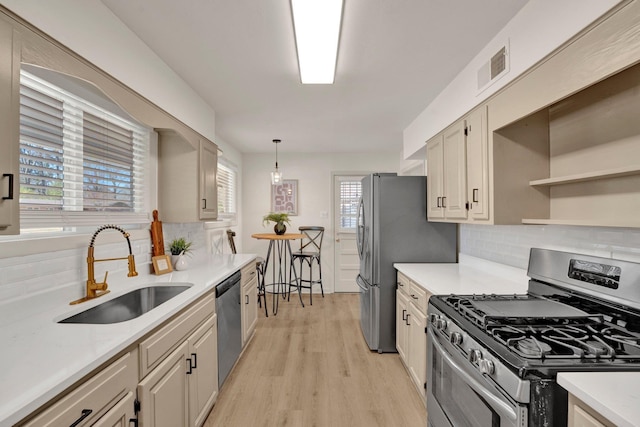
(531, 347)
(566, 333)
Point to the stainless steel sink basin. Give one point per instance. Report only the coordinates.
(128, 306)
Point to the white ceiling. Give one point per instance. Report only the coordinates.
(395, 56)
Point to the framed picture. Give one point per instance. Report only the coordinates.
(284, 197)
(161, 264)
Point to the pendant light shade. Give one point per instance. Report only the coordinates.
(276, 175)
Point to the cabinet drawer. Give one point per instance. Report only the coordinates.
(248, 272)
(419, 296)
(94, 397)
(155, 348)
(403, 284)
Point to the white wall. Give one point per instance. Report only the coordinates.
(90, 29)
(315, 194)
(538, 29)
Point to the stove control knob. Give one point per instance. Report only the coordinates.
(433, 318)
(456, 338)
(441, 324)
(475, 356)
(487, 367)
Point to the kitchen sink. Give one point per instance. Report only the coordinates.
(128, 306)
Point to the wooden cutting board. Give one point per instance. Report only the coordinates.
(157, 240)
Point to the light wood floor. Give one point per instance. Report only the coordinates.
(311, 367)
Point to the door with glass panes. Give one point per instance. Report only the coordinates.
(347, 190)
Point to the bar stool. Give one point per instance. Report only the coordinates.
(309, 253)
(259, 270)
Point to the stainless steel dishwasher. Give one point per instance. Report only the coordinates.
(229, 325)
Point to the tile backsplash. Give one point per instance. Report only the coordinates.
(510, 244)
(27, 275)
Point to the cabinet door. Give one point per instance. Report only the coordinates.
(455, 172)
(203, 380)
(163, 394)
(402, 330)
(249, 309)
(478, 164)
(418, 347)
(208, 180)
(435, 178)
(9, 128)
(120, 414)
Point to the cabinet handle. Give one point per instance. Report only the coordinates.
(246, 299)
(204, 204)
(400, 284)
(438, 202)
(190, 362)
(404, 313)
(195, 360)
(475, 195)
(406, 321)
(443, 205)
(134, 421)
(10, 176)
(85, 414)
(413, 296)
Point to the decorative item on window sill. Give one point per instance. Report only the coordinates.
(280, 218)
(276, 175)
(179, 249)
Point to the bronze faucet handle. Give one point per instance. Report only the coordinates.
(132, 266)
(103, 286)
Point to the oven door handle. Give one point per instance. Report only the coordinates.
(498, 405)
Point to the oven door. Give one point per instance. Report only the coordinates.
(459, 396)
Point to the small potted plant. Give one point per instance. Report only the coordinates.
(280, 218)
(179, 247)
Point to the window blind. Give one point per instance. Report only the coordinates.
(227, 188)
(350, 192)
(79, 163)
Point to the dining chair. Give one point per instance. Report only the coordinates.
(309, 254)
(259, 270)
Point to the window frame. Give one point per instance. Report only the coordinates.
(233, 168)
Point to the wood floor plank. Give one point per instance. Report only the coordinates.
(311, 367)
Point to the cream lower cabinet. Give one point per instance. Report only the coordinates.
(411, 330)
(249, 309)
(582, 415)
(180, 388)
(105, 399)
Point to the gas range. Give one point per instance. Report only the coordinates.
(581, 313)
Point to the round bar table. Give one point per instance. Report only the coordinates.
(281, 249)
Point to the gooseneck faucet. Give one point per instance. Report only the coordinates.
(94, 289)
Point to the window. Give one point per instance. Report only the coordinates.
(227, 189)
(350, 190)
(80, 164)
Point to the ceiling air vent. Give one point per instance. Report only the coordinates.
(493, 69)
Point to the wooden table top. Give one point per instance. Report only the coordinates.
(274, 236)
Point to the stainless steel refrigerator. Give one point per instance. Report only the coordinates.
(392, 227)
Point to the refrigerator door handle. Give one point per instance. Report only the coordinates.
(361, 283)
(360, 228)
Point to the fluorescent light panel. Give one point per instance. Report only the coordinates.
(317, 27)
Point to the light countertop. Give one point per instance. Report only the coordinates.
(470, 276)
(40, 358)
(614, 395)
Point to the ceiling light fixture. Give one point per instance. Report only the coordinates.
(316, 24)
(276, 175)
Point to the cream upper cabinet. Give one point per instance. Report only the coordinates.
(187, 190)
(208, 180)
(446, 175)
(477, 165)
(455, 172)
(435, 178)
(9, 128)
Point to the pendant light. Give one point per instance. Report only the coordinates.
(276, 175)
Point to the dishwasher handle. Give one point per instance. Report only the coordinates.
(227, 284)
